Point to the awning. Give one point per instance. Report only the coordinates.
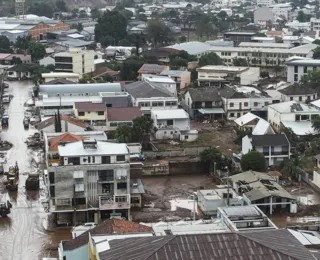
(211, 110)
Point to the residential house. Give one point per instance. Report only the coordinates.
(181, 77)
(265, 57)
(254, 123)
(242, 219)
(297, 67)
(153, 69)
(136, 192)
(203, 102)
(20, 72)
(274, 147)
(263, 16)
(173, 124)
(76, 61)
(68, 124)
(88, 33)
(82, 248)
(238, 37)
(294, 115)
(149, 96)
(315, 24)
(239, 100)
(12, 35)
(90, 182)
(297, 92)
(210, 200)
(91, 113)
(117, 116)
(262, 190)
(207, 245)
(70, 76)
(221, 75)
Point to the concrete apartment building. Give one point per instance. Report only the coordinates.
(76, 60)
(238, 37)
(263, 15)
(89, 182)
(297, 67)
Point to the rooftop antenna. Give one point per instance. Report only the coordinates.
(20, 10)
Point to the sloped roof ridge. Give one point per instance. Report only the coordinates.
(156, 250)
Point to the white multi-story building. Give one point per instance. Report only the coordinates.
(265, 2)
(314, 24)
(173, 124)
(220, 75)
(266, 57)
(281, 10)
(89, 181)
(297, 67)
(76, 60)
(299, 26)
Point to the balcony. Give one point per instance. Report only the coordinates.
(121, 178)
(105, 179)
(68, 207)
(114, 202)
(280, 153)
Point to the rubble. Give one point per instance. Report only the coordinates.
(5, 145)
(35, 141)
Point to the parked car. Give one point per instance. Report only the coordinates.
(5, 85)
(5, 98)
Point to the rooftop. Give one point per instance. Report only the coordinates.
(193, 48)
(170, 114)
(50, 121)
(245, 119)
(272, 244)
(270, 140)
(294, 106)
(152, 68)
(157, 79)
(63, 138)
(303, 62)
(89, 106)
(123, 114)
(102, 148)
(241, 33)
(223, 68)
(300, 127)
(110, 226)
(80, 88)
(204, 94)
(297, 90)
(172, 73)
(143, 89)
(265, 45)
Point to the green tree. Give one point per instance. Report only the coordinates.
(316, 124)
(316, 42)
(83, 14)
(57, 122)
(41, 9)
(95, 13)
(158, 33)
(142, 17)
(182, 39)
(240, 62)
(210, 59)
(178, 62)
(211, 156)
(316, 53)
(124, 133)
(23, 43)
(254, 161)
(61, 6)
(36, 50)
(16, 60)
(141, 126)
(4, 44)
(124, 42)
(111, 24)
(311, 79)
(302, 17)
(129, 68)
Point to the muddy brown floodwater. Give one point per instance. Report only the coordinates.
(22, 233)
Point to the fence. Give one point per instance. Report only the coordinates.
(179, 152)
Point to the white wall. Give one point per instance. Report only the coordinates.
(250, 76)
(301, 71)
(246, 145)
(301, 98)
(316, 178)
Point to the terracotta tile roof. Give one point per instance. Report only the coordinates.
(152, 68)
(64, 138)
(89, 106)
(108, 227)
(59, 81)
(123, 113)
(50, 121)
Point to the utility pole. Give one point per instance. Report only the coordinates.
(228, 194)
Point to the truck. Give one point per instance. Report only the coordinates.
(5, 208)
(12, 178)
(32, 182)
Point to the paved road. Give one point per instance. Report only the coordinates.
(22, 234)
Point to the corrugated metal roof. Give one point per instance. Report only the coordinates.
(80, 88)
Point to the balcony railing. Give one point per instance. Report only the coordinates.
(111, 202)
(280, 153)
(121, 178)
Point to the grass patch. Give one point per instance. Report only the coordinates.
(307, 164)
(204, 139)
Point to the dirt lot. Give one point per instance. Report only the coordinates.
(159, 192)
(210, 134)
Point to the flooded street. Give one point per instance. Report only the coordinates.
(23, 233)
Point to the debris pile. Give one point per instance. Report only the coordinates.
(35, 141)
(32, 182)
(5, 145)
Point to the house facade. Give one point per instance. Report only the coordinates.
(173, 124)
(117, 116)
(181, 77)
(298, 93)
(90, 181)
(296, 68)
(91, 113)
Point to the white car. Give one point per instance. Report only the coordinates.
(78, 230)
(5, 98)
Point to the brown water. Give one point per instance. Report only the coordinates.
(23, 236)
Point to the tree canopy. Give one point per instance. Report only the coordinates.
(213, 156)
(36, 50)
(316, 123)
(311, 79)
(254, 161)
(112, 24)
(210, 59)
(41, 9)
(158, 33)
(23, 43)
(129, 68)
(124, 133)
(240, 62)
(4, 44)
(61, 6)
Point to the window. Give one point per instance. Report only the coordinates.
(121, 199)
(208, 104)
(121, 158)
(144, 104)
(171, 103)
(231, 114)
(305, 117)
(106, 175)
(105, 160)
(100, 113)
(186, 137)
(169, 122)
(305, 69)
(51, 177)
(245, 104)
(93, 159)
(81, 113)
(157, 104)
(255, 104)
(295, 77)
(266, 103)
(291, 98)
(63, 202)
(121, 185)
(300, 98)
(231, 104)
(79, 187)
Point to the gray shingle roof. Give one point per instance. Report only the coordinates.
(142, 89)
(296, 89)
(269, 140)
(172, 73)
(204, 94)
(262, 245)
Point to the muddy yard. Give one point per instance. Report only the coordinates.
(177, 189)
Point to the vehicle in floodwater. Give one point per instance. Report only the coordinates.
(5, 208)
